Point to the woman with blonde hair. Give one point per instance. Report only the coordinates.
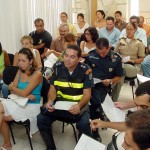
(27, 42)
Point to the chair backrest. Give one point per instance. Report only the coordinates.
(9, 74)
(11, 58)
(44, 90)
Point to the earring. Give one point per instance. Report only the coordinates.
(30, 65)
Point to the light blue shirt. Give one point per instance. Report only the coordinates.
(139, 34)
(113, 36)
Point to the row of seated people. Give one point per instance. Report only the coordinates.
(123, 47)
(28, 82)
(42, 40)
(64, 72)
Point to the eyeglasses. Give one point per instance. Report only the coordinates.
(88, 34)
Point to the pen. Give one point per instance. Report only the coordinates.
(50, 106)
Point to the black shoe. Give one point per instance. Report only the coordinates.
(96, 136)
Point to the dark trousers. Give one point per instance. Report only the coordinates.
(99, 92)
(44, 122)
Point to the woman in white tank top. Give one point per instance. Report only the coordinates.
(90, 37)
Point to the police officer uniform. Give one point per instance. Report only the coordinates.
(69, 87)
(102, 68)
(133, 48)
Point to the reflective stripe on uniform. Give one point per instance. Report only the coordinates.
(73, 98)
(68, 84)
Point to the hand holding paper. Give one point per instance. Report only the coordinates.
(114, 114)
(75, 109)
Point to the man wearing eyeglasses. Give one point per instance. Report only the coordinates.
(139, 33)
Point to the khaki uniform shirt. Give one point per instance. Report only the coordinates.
(134, 48)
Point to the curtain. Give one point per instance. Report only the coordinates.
(17, 19)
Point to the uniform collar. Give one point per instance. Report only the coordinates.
(108, 55)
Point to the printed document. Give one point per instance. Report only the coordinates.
(142, 78)
(114, 114)
(96, 80)
(87, 143)
(126, 59)
(64, 105)
(51, 59)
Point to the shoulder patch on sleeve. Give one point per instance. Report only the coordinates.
(116, 55)
(89, 71)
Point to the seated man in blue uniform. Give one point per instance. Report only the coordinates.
(106, 65)
(71, 81)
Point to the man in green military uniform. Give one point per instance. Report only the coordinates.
(70, 81)
(106, 66)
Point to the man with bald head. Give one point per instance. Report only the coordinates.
(58, 44)
(144, 26)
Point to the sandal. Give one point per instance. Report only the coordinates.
(3, 147)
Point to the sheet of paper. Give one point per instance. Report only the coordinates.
(114, 114)
(87, 143)
(64, 105)
(126, 59)
(142, 78)
(96, 80)
(51, 59)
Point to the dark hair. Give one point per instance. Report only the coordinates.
(102, 12)
(110, 18)
(118, 12)
(101, 43)
(38, 20)
(81, 15)
(133, 24)
(139, 122)
(30, 56)
(143, 88)
(64, 14)
(0, 48)
(76, 48)
(93, 32)
(135, 17)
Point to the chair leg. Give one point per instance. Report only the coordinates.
(28, 133)
(12, 135)
(133, 92)
(75, 135)
(63, 127)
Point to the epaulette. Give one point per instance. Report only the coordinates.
(115, 55)
(122, 38)
(84, 66)
(58, 63)
(139, 40)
